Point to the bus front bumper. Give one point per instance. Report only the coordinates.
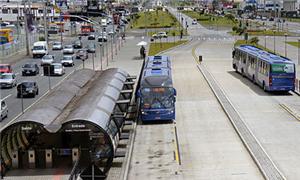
(157, 115)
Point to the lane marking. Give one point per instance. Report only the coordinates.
(176, 145)
(285, 107)
(6, 97)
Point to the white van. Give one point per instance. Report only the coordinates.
(104, 22)
(39, 49)
(3, 109)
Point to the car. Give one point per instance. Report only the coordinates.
(194, 22)
(57, 46)
(91, 48)
(154, 36)
(77, 44)
(102, 38)
(8, 80)
(3, 109)
(47, 60)
(111, 32)
(91, 37)
(68, 49)
(67, 60)
(271, 19)
(27, 88)
(30, 69)
(162, 34)
(59, 69)
(264, 18)
(5, 68)
(82, 54)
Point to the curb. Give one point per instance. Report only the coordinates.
(178, 46)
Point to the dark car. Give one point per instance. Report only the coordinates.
(77, 44)
(27, 88)
(91, 48)
(82, 54)
(30, 69)
(91, 37)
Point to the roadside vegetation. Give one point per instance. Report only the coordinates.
(154, 19)
(159, 47)
(294, 43)
(169, 31)
(204, 19)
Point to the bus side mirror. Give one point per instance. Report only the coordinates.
(233, 53)
(175, 92)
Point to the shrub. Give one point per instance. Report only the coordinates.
(254, 40)
(41, 38)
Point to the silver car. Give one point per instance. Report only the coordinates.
(68, 49)
(57, 46)
(47, 59)
(3, 109)
(59, 69)
(8, 80)
(67, 60)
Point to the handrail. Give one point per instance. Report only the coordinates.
(74, 172)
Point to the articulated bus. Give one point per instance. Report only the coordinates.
(270, 71)
(156, 94)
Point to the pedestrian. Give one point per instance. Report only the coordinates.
(143, 52)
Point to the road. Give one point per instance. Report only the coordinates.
(15, 104)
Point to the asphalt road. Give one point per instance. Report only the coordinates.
(15, 105)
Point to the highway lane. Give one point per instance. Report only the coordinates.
(15, 104)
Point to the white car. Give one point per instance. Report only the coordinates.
(68, 49)
(57, 46)
(162, 34)
(47, 59)
(8, 80)
(67, 60)
(3, 109)
(194, 22)
(59, 69)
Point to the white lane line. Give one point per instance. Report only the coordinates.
(46, 93)
(6, 97)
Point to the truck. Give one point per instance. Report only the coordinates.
(39, 49)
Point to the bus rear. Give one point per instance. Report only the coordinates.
(282, 77)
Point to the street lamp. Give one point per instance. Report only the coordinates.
(285, 50)
(274, 41)
(298, 51)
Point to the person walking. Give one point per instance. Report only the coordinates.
(143, 52)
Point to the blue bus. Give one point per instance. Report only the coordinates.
(270, 71)
(156, 94)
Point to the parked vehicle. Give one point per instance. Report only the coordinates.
(77, 44)
(39, 49)
(30, 69)
(8, 80)
(67, 60)
(57, 46)
(27, 88)
(82, 54)
(47, 59)
(194, 22)
(68, 49)
(3, 110)
(5, 68)
(59, 69)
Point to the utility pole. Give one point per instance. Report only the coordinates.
(26, 29)
(45, 22)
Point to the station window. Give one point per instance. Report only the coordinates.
(5, 11)
(15, 11)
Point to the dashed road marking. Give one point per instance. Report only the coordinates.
(6, 97)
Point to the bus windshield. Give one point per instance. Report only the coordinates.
(157, 98)
(282, 68)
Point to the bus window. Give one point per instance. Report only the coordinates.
(282, 68)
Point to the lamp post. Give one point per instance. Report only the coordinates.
(298, 51)
(274, 41)
(265, 39)
(285, 49)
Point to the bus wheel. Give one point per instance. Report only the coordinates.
(264, 87)
(253, 79)
(243, 74)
